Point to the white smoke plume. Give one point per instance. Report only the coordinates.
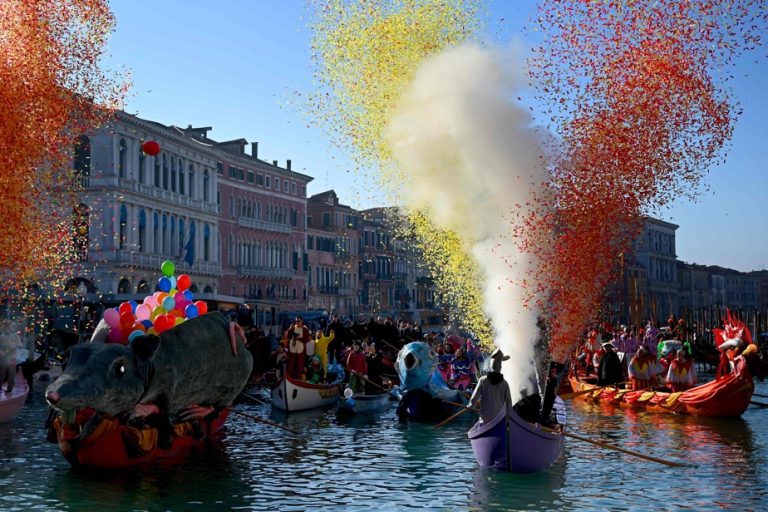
(470, 154)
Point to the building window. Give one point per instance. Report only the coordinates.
(293, 189)
(121, 158)
(191, 176)
(82, 162)
(277, 184)
(165, 172)
(123, 234)
(173, 174)
(124, 286)
(81, 220)
(250, 176)
(286, 187)
(206, 243)
(142, 287)
(260, 180)
(206, 179)
(181, 179)
(142, 165)
(181, 235)
(268, 181)
(157, 171)
(142, 231)
(303, 191)
(326, 219)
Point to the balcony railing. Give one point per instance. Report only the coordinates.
(250, 271)
(153, 262)
(248, 222)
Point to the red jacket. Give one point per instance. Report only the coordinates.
(356, 363)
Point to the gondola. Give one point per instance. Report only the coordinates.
(12, 402)
(509, 443)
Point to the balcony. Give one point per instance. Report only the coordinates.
(248, 222)
(328, 290)
(153, 262)
(249, 271)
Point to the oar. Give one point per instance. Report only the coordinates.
(620, 449)
(251, 397)
(567, 396)
(452, 417)
(369, 380)
(759, 396)
(268, 422)
(759, 404)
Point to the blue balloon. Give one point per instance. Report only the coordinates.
(188, 295)
(133, 306)
(191, 311)
(173, 282)
(147, 323)
(135, 334)
(351, 403)
(164, 284)
(169, 304)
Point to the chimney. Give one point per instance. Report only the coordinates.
(288, 164)
(255, 149)
(274, 162)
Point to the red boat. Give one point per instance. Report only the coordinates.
(726, 396)
(103, 442)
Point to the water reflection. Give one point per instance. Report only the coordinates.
(495, 490)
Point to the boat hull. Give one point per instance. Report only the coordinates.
(12, 403)
(515, 446)
(111, 444)
(292, 395)
(727, 397)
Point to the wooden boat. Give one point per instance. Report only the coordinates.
(356, 404)
(727, 396)
(103, 442)
(509, 443)
(11, 403)
(290, 395)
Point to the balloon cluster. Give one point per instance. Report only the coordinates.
(164, 309)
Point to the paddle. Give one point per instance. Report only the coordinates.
(369, 381)
(451, 418)
(620, 449)
(759, 404)
(759, 396)
(567, 396)
(251, 397)
(265, 421)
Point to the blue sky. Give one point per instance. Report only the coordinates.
(238, 65)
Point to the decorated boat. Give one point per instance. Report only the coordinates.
(726, 396)
(11, 402)
(290, 395)
(95, 440)
(509, 443)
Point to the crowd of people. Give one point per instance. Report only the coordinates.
(650, 358)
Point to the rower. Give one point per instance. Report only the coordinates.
(492, 391)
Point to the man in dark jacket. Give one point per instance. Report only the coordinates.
(610, 370)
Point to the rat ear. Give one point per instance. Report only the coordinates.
(145, 346)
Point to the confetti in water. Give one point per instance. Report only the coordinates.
(365, 54)
(633, 91)
(52, 90)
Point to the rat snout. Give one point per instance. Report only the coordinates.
(52, 397)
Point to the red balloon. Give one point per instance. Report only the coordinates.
(150, 148)
(183, 282)
(162, 323)
(202, 307)
(125, 307)
(127, 319)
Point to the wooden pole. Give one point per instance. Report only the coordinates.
(265, 421)
(452, 417)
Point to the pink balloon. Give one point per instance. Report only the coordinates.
(143, 312)
(151, 301)
(112, 317)
(115, 336)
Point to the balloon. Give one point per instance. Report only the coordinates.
(143, 312)
(150, 301)
(127, 319)
(202, 307)
(114, 336)
(350, 403)
(125, 307)
(152, 330)
(183, 282)
(158, 311)
(162, 324)
(178, 321)
(173, 292)
(169, 303)
(167, 268)
(191, 311)
(147, 324)
(164, 284)
(135, 334)
(112, 317)
(150, 147)
(173, 282)
(133, 305)
(138, 326)
(188, 294)
(348, 393)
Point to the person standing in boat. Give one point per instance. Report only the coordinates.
(609, 369)
(682, 373)
(643, 369)
(461, 374)
(357, 367)
(492, 391)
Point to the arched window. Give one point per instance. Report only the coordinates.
(124, 286)
(181, 235)
(121, 158)
(165, 172)
(156, 229)
(231, 250)
(193, 288)
(172, 246)
(142, 287)
(206, 179)
(208, 289)
(123, 235)
(142, 231)
(173, 174)
(206, 243)
(82, 162)
(81, 221)
(142, 165)
(165, 235)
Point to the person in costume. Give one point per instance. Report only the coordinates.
(461, 373)
(643, 369)
(681, 374)
(609, 369)
(492, 391)
(322, 344)
(732, 340)
(590, 349)
(315, 373)
(357, 367)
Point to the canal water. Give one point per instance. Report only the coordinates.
(378, 463)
